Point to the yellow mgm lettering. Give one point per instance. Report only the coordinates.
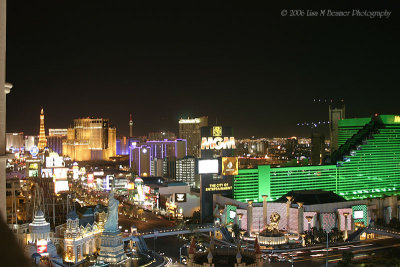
(218, 187)
(396, 118)
(218, 143)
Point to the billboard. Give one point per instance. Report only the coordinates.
(146, 189)
(41, 246)
(358, 214)
(218, 143)
(230, 166)
(60, 173)
(90, 178)
(47, 173)
(180, 197)
(55, 161)
(34, 151)
(206, 166)
(61, 185)
(230, 213)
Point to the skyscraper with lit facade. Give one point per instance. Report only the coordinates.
(90, 139)
(366, 164)
(55, 139)
(42, 133)
(189, 129)
(145, 158)
(186, 172)
(335, 115)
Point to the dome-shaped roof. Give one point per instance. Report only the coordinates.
(311, 197)
(39, 223)
(72, 215)
(39, 213)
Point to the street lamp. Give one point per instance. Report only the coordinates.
(180, 253)
(327, 239)
(292, 258)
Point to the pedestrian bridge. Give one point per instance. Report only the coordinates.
(379, 230)
(159, 232)
(383, 231)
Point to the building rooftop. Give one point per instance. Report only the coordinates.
(311, 197)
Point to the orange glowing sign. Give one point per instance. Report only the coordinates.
(230, 166)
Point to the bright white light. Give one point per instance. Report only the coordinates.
(232, 214)
(358, 214)
(208, 166)
(144, 150)
(182, 121)
(61, 185)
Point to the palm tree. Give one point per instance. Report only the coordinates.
(236, 230)
(347, 257)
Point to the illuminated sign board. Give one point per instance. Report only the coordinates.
(396, 118)
(358, 214)
(101, 173)
(146, 189)
(131, 186)
(219, 187)
(34, 151)
(218, 143)
(33, 173)
(61, 185)
(184, 121)
(232, 214)
(60, 173)
(90, 178)
(230, 166)
(217, 131)
(34, 166)
(206, 166)
(41, 246)
(180, 197)
(54, 162)
(47, 173)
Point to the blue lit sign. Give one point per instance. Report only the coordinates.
(34, 151)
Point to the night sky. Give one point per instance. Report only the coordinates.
(242, 64)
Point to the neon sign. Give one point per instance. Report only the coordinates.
(34, 151)
(218, 143)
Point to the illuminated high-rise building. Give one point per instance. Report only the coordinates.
(335, 115)
(90, 139)
(189, 129)
(42, 132)
(148, 157)
(56, 138)
(317, 148)
(161, 135)
(14, 141)
(366, 165)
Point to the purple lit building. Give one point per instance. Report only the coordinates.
(156, 158)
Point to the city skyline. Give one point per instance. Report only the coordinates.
(236, 64)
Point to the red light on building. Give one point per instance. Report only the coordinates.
(41, 246)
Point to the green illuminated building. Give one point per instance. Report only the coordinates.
(367, 164)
